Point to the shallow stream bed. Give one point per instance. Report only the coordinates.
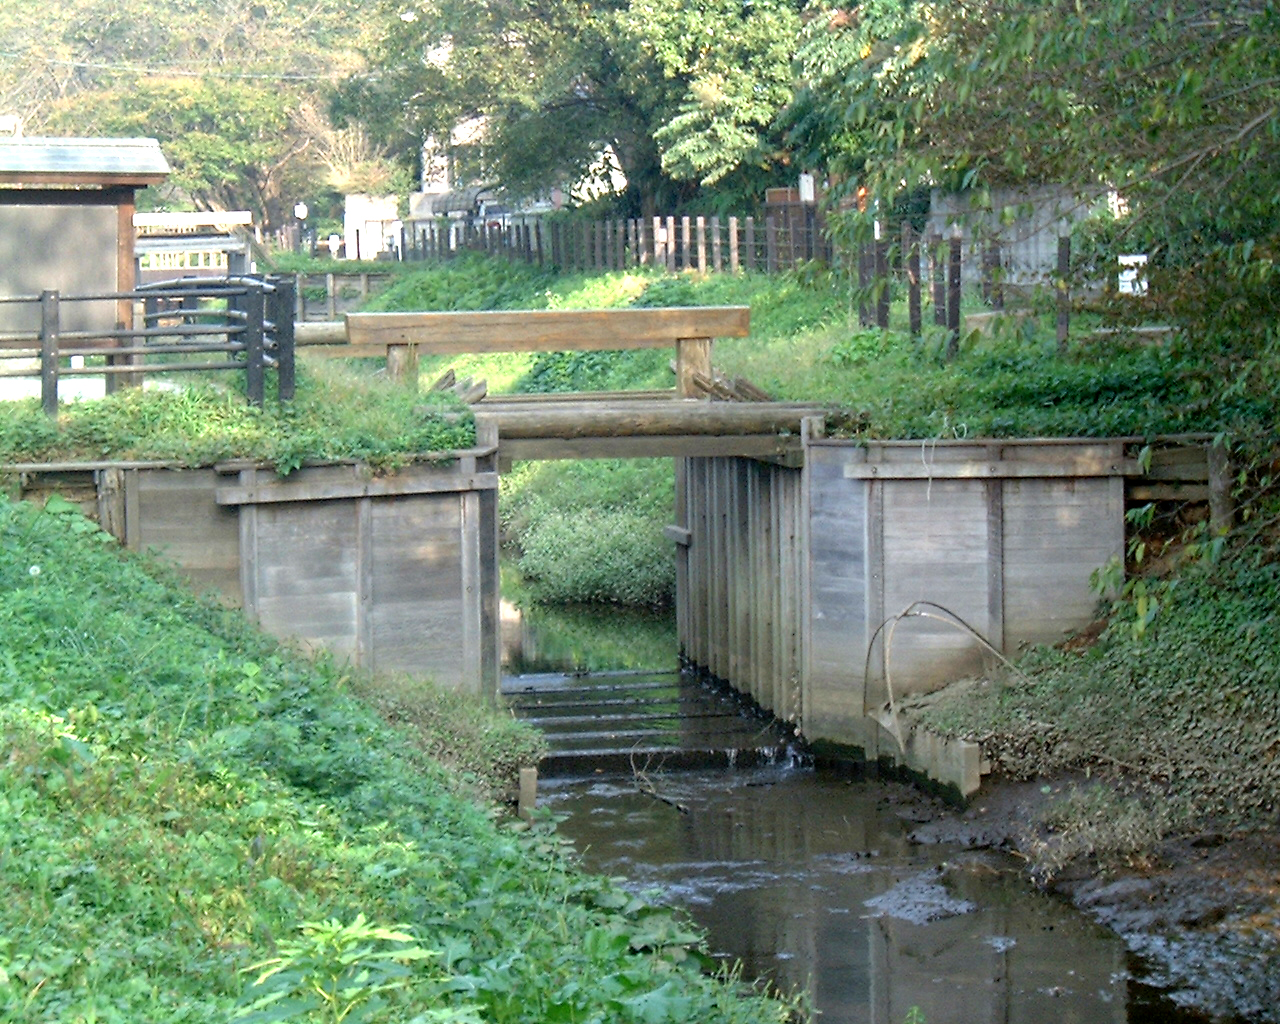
(811, 882)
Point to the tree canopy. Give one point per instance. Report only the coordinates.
(681, 94)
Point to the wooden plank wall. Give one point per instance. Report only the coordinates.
(972, 530)
(739, 545)
(398, 574)
(786, 577)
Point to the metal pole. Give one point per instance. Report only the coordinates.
(49, 331)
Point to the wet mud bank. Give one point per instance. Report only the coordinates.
(1202, 910)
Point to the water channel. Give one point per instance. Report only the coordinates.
(812, 882)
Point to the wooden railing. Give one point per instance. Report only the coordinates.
(243, 324)
(402, 337)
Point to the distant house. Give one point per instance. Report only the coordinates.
(66, 223)
(1026, 221)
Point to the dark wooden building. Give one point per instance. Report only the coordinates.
(66, 223)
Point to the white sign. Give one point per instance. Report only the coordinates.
(1133, 274)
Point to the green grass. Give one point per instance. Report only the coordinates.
(182, 798)
(338, 414)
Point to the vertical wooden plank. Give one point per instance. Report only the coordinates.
(643, 256)
(659, 243)
(875, 588)
(693, 356)
(701, 227)
(1222, 513)
(620, 242)
(733, 245)
(634, 227)
(111, 502)
(126, 281)
(472, 594)
(751, 262)
(330, 297)
(686, 243)
(995, 559)
(366, 654)
(671, 243)
(249, 559)
(717, 261)
(50, 330)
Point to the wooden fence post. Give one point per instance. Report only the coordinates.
(911, 261)
(686, 243)
(701, 227)
(733, 245)
(1063, 294)
(717, 263)
(866, 261)
(254, 343)
(953, 299)
(938, 280)
(882, 283)
(671, 244)
(280, 314)
(49, 332)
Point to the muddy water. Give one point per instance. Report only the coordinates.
(810, 881)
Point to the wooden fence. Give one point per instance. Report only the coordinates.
(242, 324)
(707, 244)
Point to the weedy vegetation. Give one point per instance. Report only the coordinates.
(196, 824)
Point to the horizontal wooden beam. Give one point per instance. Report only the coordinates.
(658, 418)
(991, 470)
(543, 330)
(328, 488)
(766, 447)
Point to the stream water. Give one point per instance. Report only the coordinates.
(810, 880)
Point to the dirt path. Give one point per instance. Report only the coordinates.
(1202, 910)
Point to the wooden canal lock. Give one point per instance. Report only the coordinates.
(826, 579)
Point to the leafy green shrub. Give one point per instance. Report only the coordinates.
(604, 555)
(182, 798)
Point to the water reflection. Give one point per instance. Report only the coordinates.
(810, 881)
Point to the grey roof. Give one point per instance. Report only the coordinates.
(82, 161)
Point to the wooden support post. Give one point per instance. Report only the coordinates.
(701, 226)
(528, 799)
(686, 243)
(733, 245)
(953, 298)
(717, 263)
(633, 228)
(49, 331)
(911, 261)
(992, 274)
(671, 243)
(938, 280)
(280, 312)
(1063, 292)
(865, 264)
(254, 347)
(882, 283)
(693, 357)
(402, 364)
(1222, 513)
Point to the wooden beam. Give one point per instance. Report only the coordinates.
(454, 333)
(588, 419)
(1082, 467)
(764, 447)
(269, 491)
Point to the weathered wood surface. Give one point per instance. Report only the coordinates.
(644, 418)
(539, 330)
